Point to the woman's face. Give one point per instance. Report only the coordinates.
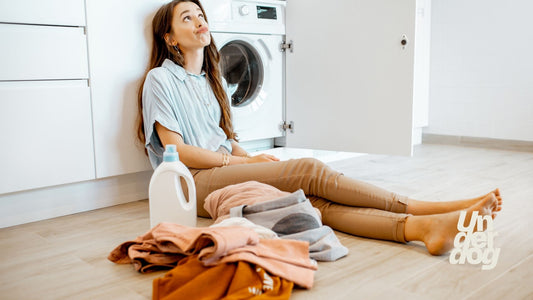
(189, 28)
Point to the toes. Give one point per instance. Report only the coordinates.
(494, 204)
(499, 201)
(497, 194)
(491, 202)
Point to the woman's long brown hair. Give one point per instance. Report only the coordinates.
(161, 25)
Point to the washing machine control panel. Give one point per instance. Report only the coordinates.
(267, 16)
(263, 12)
(246, 11)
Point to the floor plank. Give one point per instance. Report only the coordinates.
(510, 284)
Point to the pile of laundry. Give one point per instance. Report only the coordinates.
(264, 241)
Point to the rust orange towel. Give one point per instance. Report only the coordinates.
(238, 280)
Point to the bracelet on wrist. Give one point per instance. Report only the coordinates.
(225, 159)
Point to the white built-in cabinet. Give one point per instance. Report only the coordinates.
(68, 90)
(45, 113)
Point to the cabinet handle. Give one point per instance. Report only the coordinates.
(404, 41)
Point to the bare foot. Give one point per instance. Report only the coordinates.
(496, 193)
(442, 228)
(416, 207)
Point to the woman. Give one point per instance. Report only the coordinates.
(183, 101)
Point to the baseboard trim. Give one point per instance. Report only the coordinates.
(46, 203)
(511, 145)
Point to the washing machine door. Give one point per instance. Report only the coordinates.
(242, 68)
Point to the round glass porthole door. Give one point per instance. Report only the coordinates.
(242, 68)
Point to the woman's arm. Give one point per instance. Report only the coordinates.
(238, 150)
(199, 158)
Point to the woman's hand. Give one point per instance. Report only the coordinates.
(239, 151)
(262, 158)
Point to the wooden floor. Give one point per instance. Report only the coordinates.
(65, 258)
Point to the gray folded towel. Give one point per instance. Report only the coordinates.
(293, 217)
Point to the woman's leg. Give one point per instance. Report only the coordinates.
(366, 222)
(436, 231)
(312, 176)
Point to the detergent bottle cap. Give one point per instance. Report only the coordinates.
(170, 154)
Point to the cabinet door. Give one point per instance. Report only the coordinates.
(52, 12)
(46, 134)
(30, 52)
(349, 79)
(118, 56)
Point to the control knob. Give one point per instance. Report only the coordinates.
(244, 10)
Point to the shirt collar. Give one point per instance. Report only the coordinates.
(178, 70)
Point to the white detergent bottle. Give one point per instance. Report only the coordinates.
(166, 198)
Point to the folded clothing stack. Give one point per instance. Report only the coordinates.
(291, 216)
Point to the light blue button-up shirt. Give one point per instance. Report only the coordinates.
(184, 103)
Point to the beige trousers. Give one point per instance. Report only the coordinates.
(346, 204)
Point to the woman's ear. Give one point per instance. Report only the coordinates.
(167, 39)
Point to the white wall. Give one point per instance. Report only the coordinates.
(481, 82)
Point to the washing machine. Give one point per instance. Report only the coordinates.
(248, 35)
